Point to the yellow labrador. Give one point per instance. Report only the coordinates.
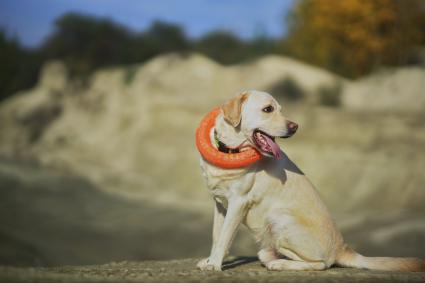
(274, 199)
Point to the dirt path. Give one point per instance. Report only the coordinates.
(243, 270)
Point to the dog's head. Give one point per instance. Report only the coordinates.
(258, 116)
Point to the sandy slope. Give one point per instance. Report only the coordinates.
(128, 133)
(390, 90)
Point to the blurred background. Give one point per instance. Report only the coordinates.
(99, 102)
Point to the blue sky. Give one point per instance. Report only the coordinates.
(32, 20)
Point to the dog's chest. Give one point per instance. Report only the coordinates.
(225, 183)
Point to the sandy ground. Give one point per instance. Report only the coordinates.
(109, 171)
(238, 270)
(51, 217)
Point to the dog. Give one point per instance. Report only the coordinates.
(274, 199)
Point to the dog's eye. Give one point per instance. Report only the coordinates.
(268, 109)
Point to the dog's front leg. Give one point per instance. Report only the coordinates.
(235, 212)
(219, 214)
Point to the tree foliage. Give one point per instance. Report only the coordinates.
(18, 67)
(226, 48)
(351, 37)
(86, 43)
(223, 46)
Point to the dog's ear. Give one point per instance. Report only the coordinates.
(232, 109)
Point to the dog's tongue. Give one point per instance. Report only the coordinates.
(275, 148)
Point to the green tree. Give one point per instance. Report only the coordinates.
(166, 37)
(222, 46)
(86, 43)
(18, 66)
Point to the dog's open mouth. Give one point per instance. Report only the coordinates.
(266, 143)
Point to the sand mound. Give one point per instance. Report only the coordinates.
(130, 132)
(135, 126)
(389, 90)
(141, 117)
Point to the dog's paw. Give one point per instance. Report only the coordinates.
(274, 266)
(202, 263)
(206, 265)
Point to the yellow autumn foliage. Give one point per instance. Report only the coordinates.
(352, 37)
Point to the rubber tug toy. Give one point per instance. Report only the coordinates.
(211, 154)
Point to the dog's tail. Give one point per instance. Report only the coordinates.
(349, 258)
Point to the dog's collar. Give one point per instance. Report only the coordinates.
(221, 146)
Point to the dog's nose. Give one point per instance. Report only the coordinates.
(292, 127)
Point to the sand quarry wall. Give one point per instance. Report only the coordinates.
(130, 131)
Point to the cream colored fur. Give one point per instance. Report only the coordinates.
(276, 201)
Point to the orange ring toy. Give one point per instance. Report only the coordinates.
(216, 157)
